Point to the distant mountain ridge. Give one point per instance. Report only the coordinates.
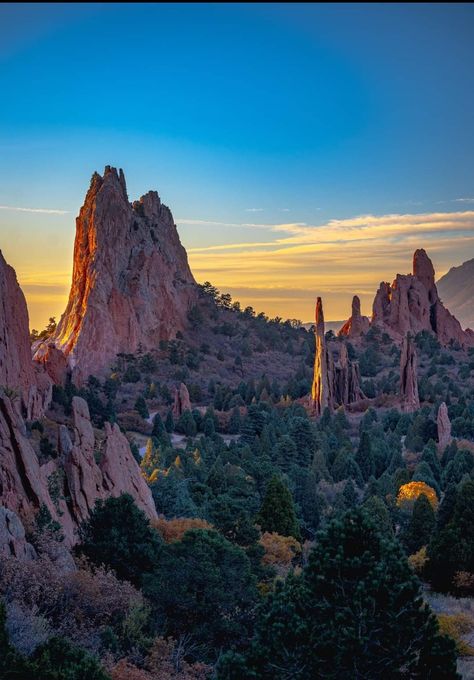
(456, 289)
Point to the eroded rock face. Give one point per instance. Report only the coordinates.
(47, 355)
(444, 428)
(347, 389)
(181, 400)
(323, 377)
(18, 376)
(69, 485)
(13, 542)
(357, 324)
(409, 398)
(131, 280)
(411, 304)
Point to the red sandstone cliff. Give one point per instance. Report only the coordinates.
(131, 282)
(28, 386)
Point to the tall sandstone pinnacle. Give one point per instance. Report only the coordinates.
(357, 324)
(409, 398)
(27, 384)
(131, 283)
(411, 304)
(321, 392)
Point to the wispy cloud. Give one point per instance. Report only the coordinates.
(464, 200)
(253, 209)
(46, 211)
(336, 259)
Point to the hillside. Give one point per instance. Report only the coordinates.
(456, 289)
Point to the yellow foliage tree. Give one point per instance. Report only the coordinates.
(172, 530)
(408, 494)
(280, 551)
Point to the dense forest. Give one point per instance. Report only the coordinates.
(286, 546)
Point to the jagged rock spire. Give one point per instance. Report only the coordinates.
(323, 374)
(408, 376)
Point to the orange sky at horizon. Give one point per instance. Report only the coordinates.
(281, 276)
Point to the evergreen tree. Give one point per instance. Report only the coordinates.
(356, 612)
(169, 422)
(420, 528)
(186, 424)
(141, 407)
(364, 456)
(119, 535)
(158, 426)
(278, 512)
(452, 548)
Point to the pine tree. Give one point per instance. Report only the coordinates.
(421, 525)
(169, 422)
(278, 512)
(365, 457)
(356, 612)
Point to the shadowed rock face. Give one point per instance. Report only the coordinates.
(79, 478)
(131, 281)
(411, 304)
(408, 376)
(444, 428)
(29, 387)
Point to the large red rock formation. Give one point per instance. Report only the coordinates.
(357, 324)
(29, 388)
(409, 398)
(131, 283)
(444, 428)
(411, 304)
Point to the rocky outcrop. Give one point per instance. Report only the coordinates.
(347, 389)
(53, 361)
(336, 380)
(411, 304)
(181, 400)
(13, 541)
(120, 472)
(409, 398)
(131, 284)
(357, 324)
(323, 377)
(29, 388)
(93, 473)
(444, 428)
(68, 486)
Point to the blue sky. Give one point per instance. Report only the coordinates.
(257, 124)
